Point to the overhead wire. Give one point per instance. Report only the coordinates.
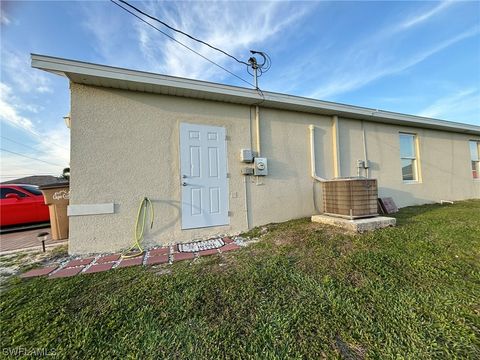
(268, 60)
(29, 157)
(180, 43)
(23, 144)
(36, 134)
(29, 174)
(182, 32)
(8, 177)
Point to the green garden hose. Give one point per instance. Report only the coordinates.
(136, 249)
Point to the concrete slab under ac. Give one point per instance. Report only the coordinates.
(356, 225)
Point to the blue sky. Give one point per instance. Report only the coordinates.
(412, 57)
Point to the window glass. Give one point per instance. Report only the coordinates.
(5, 191)
(475, 158)
(407, 146)
(31, 189)
(408, 157)
(474, 151)
(476, 169)
(408, 169)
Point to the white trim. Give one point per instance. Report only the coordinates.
(90, 209)
(411, 182)
(107, 76)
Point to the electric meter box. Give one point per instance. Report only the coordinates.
(246, 155)
(261, 167)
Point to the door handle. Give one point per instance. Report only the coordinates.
(184, 184)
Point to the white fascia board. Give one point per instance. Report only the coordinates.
(235, 94)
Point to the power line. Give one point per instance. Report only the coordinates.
(6, 177)
(183, 33)
(31, 174)
(182, 44)
(20, 143)
(29, 157)
(38, 135)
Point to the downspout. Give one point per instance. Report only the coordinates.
(366, 165)
(313, 164)
(257, 124)
(336, 147)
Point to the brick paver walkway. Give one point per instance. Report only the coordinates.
(102, 263)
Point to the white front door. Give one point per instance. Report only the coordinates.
(203, 171)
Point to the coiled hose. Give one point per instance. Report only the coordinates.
(136, 249)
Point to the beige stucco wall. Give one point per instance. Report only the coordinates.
(125, 145)
(444, 162)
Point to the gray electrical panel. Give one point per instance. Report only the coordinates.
(246, 155)
(261, 167)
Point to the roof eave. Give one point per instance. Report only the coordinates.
(107, 76)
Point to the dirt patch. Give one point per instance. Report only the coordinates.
(14, 264)
(349, 351)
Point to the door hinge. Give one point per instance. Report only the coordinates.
(230, 214)
(227, 138)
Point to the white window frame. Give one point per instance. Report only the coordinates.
(415, 158)
(472, 160)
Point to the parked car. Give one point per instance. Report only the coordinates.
(22, 204)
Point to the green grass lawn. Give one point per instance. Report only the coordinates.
(303, 291)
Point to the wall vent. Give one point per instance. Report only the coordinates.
(350, 198)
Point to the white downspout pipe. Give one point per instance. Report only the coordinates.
(336, 147)
(365, 157)
(313, 166)
(257, 124)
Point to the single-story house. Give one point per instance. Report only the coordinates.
(37, 180)
(188, 145)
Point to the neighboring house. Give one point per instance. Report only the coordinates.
(178, 142)
(38, 180)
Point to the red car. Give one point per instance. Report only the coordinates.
(22, 204)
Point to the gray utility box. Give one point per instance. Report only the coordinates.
(350, 198)
(247, 155)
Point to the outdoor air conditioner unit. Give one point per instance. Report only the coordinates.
(350, 198)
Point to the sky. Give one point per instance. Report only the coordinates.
(418, 58)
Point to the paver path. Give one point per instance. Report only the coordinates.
(102, 263)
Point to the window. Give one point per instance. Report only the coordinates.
(408, 157)
(31, 189)
(475, 158)
(5, 191)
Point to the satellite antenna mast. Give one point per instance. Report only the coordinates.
(256, 66)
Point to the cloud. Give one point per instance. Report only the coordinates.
(235, 27)
(351, 75)
(3, 19)
(238, 27)
(16, 68)
(371, 59)
(419, 18)
(51, 146)
(9, 112)
(463, 103)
